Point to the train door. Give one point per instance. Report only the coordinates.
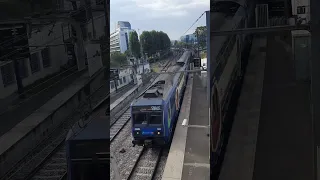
(215, 124)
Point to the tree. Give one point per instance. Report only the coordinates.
(154, 41)
(201, 34)
(146, 42)
(134, 45)
(175, 43)
(118, 59)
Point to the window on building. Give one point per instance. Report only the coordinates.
(120, 81)
(301, 10)
(34, 63)
(23, 68)
(7, 73)
(124, 80)
(112, 85)
(45, 58)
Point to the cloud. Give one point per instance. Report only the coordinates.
(169, 8)
(171, 16)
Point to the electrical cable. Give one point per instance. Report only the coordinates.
(17, 38)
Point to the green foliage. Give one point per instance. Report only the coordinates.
(154, 41)
(127, 53)
(134, 45)
(118, 59)
(175, 43)
(201, 34)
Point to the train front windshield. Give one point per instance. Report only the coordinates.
(147, 118)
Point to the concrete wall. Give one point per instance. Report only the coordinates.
(94, 62)
(36, 128)
(58, 57)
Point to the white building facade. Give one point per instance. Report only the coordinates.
(52, 48)
(119, 40)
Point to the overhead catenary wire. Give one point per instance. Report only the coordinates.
(17, 50)
(23, 36)
(194, 22)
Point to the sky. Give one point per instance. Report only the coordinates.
(173, 17)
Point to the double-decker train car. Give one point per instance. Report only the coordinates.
(154, 112)
(228, 61)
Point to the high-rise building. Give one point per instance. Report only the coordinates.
(119, 40)
(189, 38)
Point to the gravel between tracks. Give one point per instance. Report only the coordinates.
(162, 165)
(125, 161)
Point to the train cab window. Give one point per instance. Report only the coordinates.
(155, 118)
(140, 118)
(301, 9)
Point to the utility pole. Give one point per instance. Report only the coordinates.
(198, 42)
(142, 57)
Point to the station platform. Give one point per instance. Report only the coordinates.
(271, 137)
(26, 134)
(188, 158)
(14, 110)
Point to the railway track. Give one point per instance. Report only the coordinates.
(50, 162)
(139, 156)
(146, 164)
(54, 165)
(119, 124)
(54, 168)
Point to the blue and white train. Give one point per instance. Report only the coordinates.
(154, 113)
(227, 65)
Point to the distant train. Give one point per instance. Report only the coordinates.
(154, 113)
(227, 66)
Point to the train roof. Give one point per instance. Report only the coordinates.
(159, 90)
(183, 59)
(96, 129)
(148, 102)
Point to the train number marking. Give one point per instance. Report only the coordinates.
(155, 108)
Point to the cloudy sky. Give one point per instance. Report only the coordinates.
(173, 17)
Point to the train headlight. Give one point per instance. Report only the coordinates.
(158, 132)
